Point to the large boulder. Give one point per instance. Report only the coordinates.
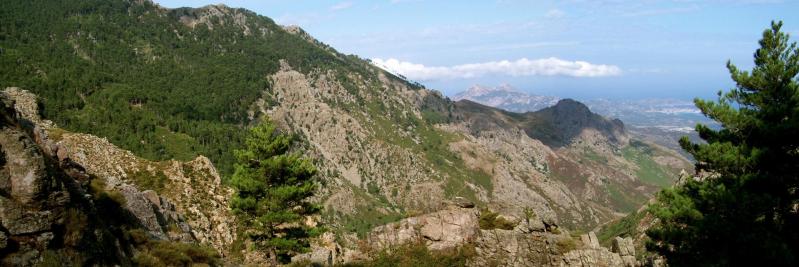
(592, 254)
(497, 247)
(623, 246)
(591, 257)
(24, 172)
(590, 240)
(446, 229)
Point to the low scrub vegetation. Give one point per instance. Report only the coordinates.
(417, 254)
(491, 220)
(167, 253)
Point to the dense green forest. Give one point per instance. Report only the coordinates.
(135, 74)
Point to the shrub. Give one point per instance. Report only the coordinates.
(417, 254)
(491, 220)
(169, 253)
(565, 245)
(97, 189)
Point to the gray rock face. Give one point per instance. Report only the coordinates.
(156, 214)
(192, 207)
(24, 167)
(46, 203)
(510, 248)
(318, 256)
(18, 220)
(623, 246)
(531, 225)
(444, 229)
(590, 240)
(33, 200)
(592, 254)
(591, 257)
(529, 244)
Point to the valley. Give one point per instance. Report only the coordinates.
(151, 102)
(660, 121)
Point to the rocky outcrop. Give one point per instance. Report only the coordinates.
(446, 229)
(183, 195)
(46, 214)
(625, 248)
(512, 248)
(592, 254)
(384, 146)
(531, 243)
(179, 201)
(506, 97)
(498, 247)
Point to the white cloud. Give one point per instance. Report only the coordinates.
(555, 14)
(342, 5)
(522, 67)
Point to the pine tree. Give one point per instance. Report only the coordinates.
(743, 212)
(273, 190)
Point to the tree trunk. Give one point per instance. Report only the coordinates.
(273, 258)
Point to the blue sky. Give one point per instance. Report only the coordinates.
(569, 48)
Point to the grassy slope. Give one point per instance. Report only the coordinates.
(648, 170)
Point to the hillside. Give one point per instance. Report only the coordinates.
(659, 121)
(74, 199)
(180, 83)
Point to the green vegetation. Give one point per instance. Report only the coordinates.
(490, 220)
(743, 213)
(97, 189)
(624, 227)
(564, 245)
(168, 253)
(417, 254)
(433, 144)
(366, 218)
(592, 155)
(622, 199)
(155, 180)
(273, 187)
(370, 211)
(137, 75)
(648, 170)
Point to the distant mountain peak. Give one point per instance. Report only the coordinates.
(479, 90)
(571, 105)
(507, 97)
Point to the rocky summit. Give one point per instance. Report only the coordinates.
(506, 97)
(126, 154)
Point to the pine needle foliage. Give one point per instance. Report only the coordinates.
(743, 211)
(273, 187)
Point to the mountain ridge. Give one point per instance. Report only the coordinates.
(386, 149)
(506, 97)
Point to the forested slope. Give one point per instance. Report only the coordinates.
(163, 83)
(177, 83)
